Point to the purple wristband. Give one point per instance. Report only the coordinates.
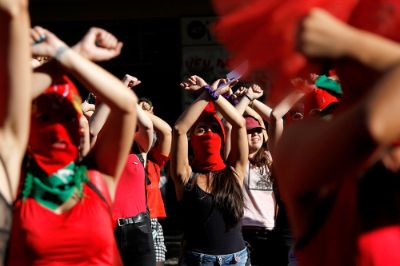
(213, 94)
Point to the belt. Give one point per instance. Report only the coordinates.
(141, 217)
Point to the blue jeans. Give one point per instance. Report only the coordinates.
(191, 258)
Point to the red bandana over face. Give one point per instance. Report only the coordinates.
(207, 146)
(54, 136)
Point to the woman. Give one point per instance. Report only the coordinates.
(15, 80)
(63, 215)
(264, 216)
(209, 188)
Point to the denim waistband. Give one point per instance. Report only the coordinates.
(233, 258)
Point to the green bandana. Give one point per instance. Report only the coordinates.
(323, 82)
(52, 191)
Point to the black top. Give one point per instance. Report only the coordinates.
(204, 227)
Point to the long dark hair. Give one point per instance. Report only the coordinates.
(261, 159)
(228, 196)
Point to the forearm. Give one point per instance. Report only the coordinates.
(374, 51)
(229, 112)
(191, 114)
(262, 109)
(98, 119)
(144, 136)
(103, 84)
(164, 134)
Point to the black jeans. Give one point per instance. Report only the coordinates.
(135, 240)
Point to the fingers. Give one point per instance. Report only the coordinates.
(105, 39)
(38, 35)
(130, 81)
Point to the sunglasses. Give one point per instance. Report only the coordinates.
(255, 130)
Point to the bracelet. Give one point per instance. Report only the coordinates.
(231, 99)
(248, 97)
(60, 51)
(213, 94)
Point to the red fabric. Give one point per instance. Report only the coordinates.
(130, 198)
(252, 123)
(207, 147)
(155, 161)
(81, 236)
(54, 136)
(318, 99)
(373, 252)
(263, 32)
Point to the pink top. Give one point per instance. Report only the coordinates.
(130, 198)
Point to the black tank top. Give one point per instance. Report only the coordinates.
(204, 226)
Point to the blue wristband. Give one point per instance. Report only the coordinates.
(213, 94)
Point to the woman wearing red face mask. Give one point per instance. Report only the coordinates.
(15, 79)
(63, 215)
(209, 188)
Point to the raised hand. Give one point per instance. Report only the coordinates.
(45, 43)
(254, 92)
(193, 83)
(98, 45)
(130, 81)
(323, 35)
(146, 106)
(303, 85)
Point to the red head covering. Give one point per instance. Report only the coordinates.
(54, 137)
(252, 123)
(318, 99)
(208, 147)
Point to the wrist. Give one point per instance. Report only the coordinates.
(60, 52)
(248, 97)
(213, 94)
(231, 99)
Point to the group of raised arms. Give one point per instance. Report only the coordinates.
(310, 180)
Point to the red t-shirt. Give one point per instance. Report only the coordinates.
(155, 161)
(130, 198)
(81, 236)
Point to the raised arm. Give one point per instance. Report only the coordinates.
(15, 99)
(179, 163)
(276, 121)
(321, 30)
(144, 135)
(239, 152)
(116, 136)
(352, 137)
(164, 134)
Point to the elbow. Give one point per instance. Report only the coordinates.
(130, 102)
(241, 123)
(179, 130)
(377, 129)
